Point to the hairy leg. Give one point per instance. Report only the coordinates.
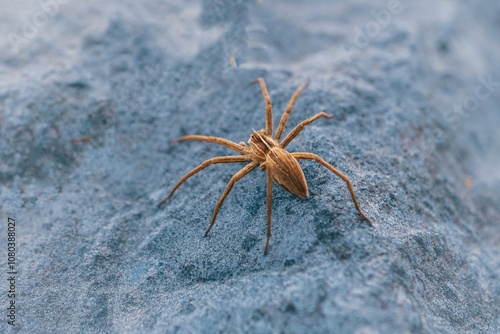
(312, 156)
(288, 110)
(269, 205)
(301, 126)
(236, 177)
(203, 165)
(221, 141)
(269, 107)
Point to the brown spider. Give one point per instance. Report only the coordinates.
(270, 154)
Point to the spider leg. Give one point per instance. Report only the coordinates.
(221, 141)
(288, 110)
(311, 156)
(301, 126)
(269, 206)
(203, 165)
(236, 177)
(269, 107)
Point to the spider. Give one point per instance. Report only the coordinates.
(269, 154)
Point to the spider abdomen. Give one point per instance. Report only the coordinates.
(287, 172)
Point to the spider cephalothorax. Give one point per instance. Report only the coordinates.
(269, 154)
(286, 170)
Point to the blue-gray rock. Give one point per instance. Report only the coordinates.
(415, 91)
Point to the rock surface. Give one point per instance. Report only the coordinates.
(415, 128)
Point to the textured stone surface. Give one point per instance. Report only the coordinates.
(95, 253)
